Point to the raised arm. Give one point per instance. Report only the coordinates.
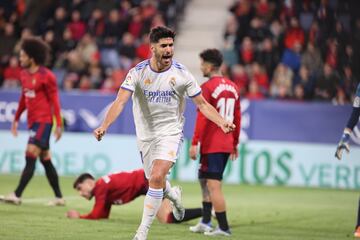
(353, 120)
(114, 111)
(211, 114)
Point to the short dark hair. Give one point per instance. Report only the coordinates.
(82, 178)
(161, 32)
(36, 49)
(213, 56)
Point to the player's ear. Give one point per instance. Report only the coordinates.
(152, 47)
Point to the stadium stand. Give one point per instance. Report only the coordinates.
(93, 43)
(286, 50)
(299, 50)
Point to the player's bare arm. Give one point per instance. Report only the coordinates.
(114, 111)
(213, 115)
(14, 127)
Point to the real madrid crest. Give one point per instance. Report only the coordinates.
(172, 81)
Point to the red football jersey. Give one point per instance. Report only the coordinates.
(39, 96)
(117, 188)
(223, 95)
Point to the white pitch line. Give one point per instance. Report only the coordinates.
(39, 200)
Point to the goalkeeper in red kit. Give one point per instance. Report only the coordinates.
(39, 96)
(215, 146)
(117, 189)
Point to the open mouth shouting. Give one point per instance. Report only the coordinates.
(166, 59)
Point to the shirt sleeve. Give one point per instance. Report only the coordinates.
(200, 118)
(237, 122)
(101, 207)
(53, 95)
(129, 82)
(192, 87)
(21, 107)
(355, 114)
(356, 103)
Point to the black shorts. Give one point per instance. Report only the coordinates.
(40, 135)
(212, 165)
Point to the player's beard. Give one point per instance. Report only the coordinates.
(163, 60)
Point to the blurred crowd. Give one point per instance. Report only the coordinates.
(294, 50)
(93, 42)
(281, 49)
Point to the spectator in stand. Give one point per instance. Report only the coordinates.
(156, 21)
(70, 81)
(7, 40)
(127, 51)
(230, 29)
(282, 82)
(314, 34)
(263, 9)
(340, 97)
(340, 35)
(115, 27)
(299, 92)
(59, 22)
(348, 82)
(326, 84)
(85, 83)
(136, 24)
(77, 27)
(231, 58)
(332, 55)
(87, 48)
(349, 58)
(12, 74)
(325, 17)
(294, 34)
(306, 16)
(306, 81)
(240, 78)
(311, 59)
(25, 33)
(268, 56)
(254, 92)
(292, 57)
(247, 52)
(54, 44)
(143, 49)
(277, 32)
(259, 75)
(258, 32)
(96, 23)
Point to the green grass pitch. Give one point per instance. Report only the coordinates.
(254, 212)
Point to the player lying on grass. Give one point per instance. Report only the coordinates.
(120, 188)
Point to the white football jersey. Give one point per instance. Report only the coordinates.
(159, 98)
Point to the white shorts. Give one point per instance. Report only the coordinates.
(163, 148)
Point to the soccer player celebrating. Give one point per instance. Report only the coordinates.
(158, 87)
(39, 96)
(344, 142)
(121, 188)
(215, 146)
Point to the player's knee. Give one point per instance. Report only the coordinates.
(214, 185)
(33, 150)
(156, 179)
(45, 156)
